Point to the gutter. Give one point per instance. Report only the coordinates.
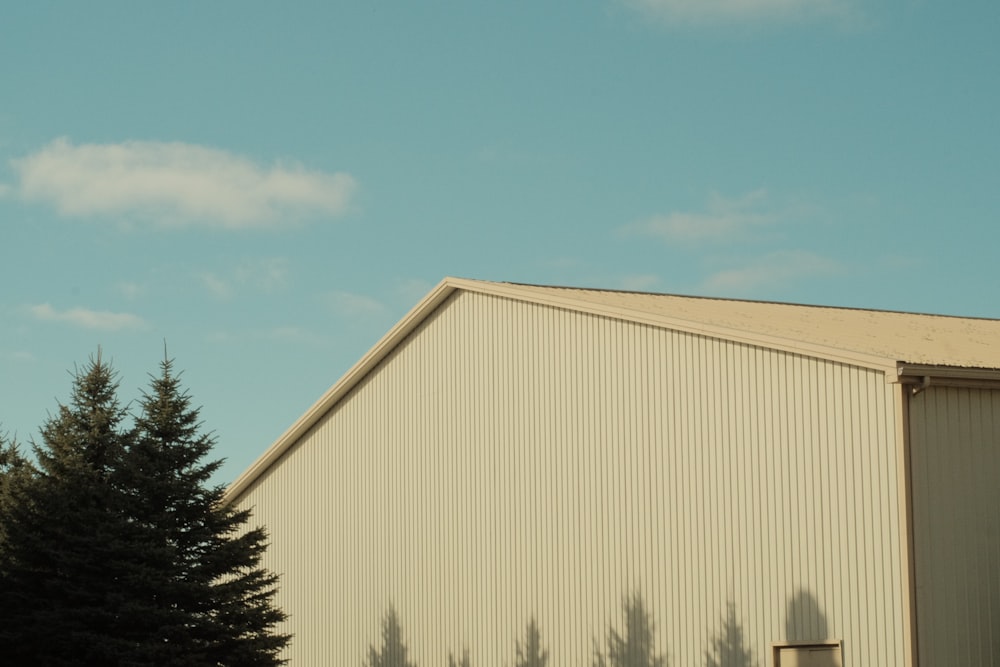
(921, 376)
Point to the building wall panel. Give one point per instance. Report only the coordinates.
(955, 444)
(510, 461)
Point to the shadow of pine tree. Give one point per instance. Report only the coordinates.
(728, 648)
(392, 652)
(635, 647)
(531, 653)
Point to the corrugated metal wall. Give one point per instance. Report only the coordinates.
(955, 445)
(511, 461)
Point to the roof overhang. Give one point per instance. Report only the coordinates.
(922, 376)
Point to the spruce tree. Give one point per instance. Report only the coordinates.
(214, 600)
(14, 473)
(69, 557)
(118, 552)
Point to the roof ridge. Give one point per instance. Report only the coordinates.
(702, 297)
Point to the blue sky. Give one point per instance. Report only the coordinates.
(268, 187)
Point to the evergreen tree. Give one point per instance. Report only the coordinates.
(213, 600)
(68, 559)
(636, 647)
(728, 649)
(14, 473)
(393, 651)
(531, 653)
(117, 551)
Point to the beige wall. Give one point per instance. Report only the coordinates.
(955, 444)
(511, 460)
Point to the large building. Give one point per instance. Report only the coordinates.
(818, 486)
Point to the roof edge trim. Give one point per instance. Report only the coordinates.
(382, 348)
(914, 373)
(880, 363)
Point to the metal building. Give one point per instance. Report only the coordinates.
(820, 486)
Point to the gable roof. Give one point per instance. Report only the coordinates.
(905, 346)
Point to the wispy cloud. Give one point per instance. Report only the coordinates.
(731, 11)
(413, 290)
(131, 290)
(639, 282)
(101, 320)
(723, 220)
(774, 269)
(216, 286)
(176, 184)
(350, 304)
(293, 334)
(264, 275)
(284, 334)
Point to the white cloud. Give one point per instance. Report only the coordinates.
(216, 286)
(176, 184)
(284, 334)
(349, 304)
(89, 319)
(723, 220)
(293, 334)
(268, 275)
(131, 290)
(413, 290)
(264, 275)
(731, 11)
(776, 268)
(639, 282)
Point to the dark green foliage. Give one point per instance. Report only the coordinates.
(67, 560)
(212, 594)
(728, 649)
(117, 552)
(393, 651)
(14, 473)
(634, 648)
(531, 653)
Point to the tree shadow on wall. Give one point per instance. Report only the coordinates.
(531, 653)
(392, 652)
(463, 662)
(729, 648)
(804, 620)
(635, 647)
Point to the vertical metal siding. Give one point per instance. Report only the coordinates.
(955, 445)
(511, 461)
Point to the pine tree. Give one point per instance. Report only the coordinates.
(14, 473)
(69, 559)
(214, 601)
(636, 647)
(393, 652)
(531, 654)
(117, 551)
